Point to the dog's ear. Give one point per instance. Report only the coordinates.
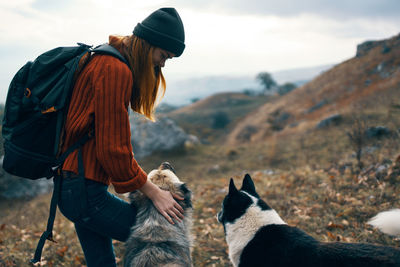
(184, 188)
(187, 195)
(232, 188)
(248, 185)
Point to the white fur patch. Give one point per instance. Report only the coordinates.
(387, 222)
(239, 233)
(168, 173)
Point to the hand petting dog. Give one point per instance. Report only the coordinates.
(164, 201)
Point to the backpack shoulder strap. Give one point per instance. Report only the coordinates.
(106, 49)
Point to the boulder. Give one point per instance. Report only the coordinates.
(246, 133)
(381, 171)
(329, 121)
(12, 187)
(163, 135)
(384, 46)
(147, 138)
(377, 132)
(278, 119)
(317, 106)
(365, 47)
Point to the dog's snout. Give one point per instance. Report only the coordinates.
(167, 166)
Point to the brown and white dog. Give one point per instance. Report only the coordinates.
(153, 240)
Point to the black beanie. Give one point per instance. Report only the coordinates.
(163, 29)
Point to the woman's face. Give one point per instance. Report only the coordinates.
(160, 56)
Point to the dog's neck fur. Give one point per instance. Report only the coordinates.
(243, 229)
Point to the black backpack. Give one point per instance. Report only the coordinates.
(36, 107)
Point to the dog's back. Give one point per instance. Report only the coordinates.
(358, 254)
(284, 246)
(153, 240)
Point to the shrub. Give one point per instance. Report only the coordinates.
(220, 120)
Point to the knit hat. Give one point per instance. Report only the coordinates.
(163, 29)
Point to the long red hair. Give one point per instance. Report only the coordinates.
(146, 78)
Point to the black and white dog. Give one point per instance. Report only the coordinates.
(257, 236)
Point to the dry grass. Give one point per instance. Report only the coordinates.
(329, 203)
(311, 179)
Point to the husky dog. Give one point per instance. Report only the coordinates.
(387, 222)
(153, 240)
(257, 236)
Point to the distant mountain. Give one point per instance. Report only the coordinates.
(183, 91)
(369, 81)
(299, 76)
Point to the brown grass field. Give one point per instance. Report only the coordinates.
(332, 202)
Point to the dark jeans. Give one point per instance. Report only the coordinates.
(98, 220)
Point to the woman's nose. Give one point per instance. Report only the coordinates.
(162, 63)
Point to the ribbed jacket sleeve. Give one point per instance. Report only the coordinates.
(109, 157)
(113, 89)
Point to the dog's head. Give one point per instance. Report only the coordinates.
(165, 177)
(246, 204)
(236, 202)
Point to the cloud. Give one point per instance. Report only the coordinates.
(235, 37)
(51, 5)
(345, 9)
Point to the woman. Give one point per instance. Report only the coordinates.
(100, 103)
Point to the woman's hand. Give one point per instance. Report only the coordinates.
(164, 201)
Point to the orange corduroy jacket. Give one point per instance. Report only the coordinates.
(101, 94)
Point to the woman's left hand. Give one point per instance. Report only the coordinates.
(164, 201)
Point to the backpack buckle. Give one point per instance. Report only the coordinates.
(27, 93)
(49, 110)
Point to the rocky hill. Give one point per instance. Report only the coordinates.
(369, 80)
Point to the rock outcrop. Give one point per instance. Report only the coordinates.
(163, 135)
(147, 138)
(16, 187)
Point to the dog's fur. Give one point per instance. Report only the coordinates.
(257, 236)
(153, 240)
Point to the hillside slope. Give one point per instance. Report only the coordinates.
(212, 118)
(371, 79)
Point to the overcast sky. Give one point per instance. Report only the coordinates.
(223, 37)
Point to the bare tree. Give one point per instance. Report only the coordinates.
(358, 138)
